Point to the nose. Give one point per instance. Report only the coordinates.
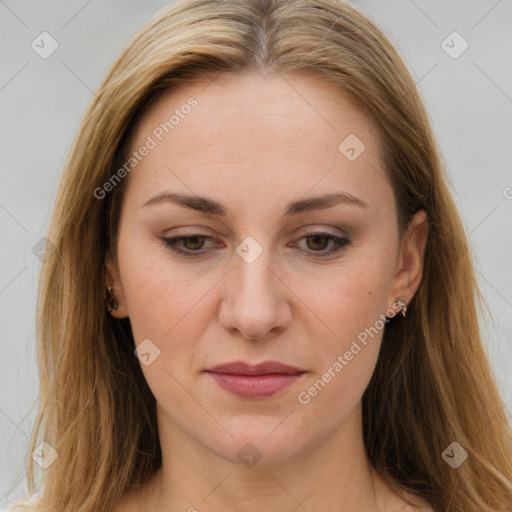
(255, 302)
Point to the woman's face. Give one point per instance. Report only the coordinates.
(271, 273)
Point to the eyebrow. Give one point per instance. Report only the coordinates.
(210, 206)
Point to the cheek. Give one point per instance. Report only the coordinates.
(168, 303)
(156, 297)
(350, 298)
(329, 399)
(351, 304)
(164, 307)
(345, 360)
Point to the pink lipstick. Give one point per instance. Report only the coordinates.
(255, 381)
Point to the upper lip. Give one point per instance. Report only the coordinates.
(264, 368)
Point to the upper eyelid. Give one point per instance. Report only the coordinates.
(309, 233)
(340, 244)
(207, 232)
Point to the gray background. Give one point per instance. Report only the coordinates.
(42, 101)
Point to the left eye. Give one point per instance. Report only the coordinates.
(318, 242)
(192, 245)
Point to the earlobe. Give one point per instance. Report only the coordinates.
(408, 276)
(115, 303)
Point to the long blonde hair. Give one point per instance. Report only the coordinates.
(432, 385)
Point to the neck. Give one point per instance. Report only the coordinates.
(335, 472)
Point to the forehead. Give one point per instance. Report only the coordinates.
(246, 135)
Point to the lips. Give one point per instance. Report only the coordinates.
(265, 368)
(255, 381)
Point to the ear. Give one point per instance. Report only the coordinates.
(113, 280)
(409, 269)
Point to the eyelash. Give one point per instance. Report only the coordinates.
(172, 242)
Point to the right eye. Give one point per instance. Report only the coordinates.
(189, 245)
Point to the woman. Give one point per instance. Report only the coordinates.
(258, 292)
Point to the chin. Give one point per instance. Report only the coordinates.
(263, 444)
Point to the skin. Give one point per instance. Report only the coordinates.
(254, 144)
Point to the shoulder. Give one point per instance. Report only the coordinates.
(22, 507)
(26, 504)
(416, 504)
(393, 498)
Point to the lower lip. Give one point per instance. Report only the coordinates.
(255, 386)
